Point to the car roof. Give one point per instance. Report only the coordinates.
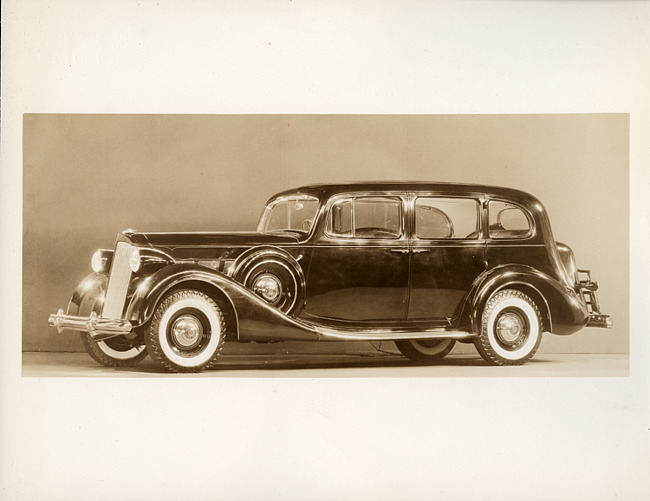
(324, 191)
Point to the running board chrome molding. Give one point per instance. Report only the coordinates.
(325, 333)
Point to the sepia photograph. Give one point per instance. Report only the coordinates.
(242, 238)
(324, 250)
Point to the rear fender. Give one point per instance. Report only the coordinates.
(563, 312)
(255, 319)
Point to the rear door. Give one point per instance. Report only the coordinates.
(448, 252)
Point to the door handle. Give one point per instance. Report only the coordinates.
(400, 251)
(420, 251)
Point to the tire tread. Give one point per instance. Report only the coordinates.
(153, 344)
(482, 343)
(99, 356)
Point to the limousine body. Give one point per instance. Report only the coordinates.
(422, 264)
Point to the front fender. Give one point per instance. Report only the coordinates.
(563, 310)
(256, 320)
(89, 295)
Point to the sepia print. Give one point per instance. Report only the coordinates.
(469, 272)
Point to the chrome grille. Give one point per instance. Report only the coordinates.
(118, 282)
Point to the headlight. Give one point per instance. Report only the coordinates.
(100, 261)
(134, 260)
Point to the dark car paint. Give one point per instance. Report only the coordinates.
(254, 317)
(374, 283)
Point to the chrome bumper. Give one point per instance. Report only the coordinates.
(598, 320)
(588, 288)
(98, 328)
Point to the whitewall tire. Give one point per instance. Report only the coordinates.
(511, 329)
(118, 351)
(425, 350)
(186, 333)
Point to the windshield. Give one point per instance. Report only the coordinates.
(291, 213)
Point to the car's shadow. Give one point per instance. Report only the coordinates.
(309, 362)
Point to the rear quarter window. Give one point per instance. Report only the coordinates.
(507, 220)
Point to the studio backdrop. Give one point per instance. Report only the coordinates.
(88, 177)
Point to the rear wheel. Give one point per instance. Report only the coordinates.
(425, 350)
(511, 329)
(187, 332)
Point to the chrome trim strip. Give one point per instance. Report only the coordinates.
(388, 335)
(97, 327)
(493, 243)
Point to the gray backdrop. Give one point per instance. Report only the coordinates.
(87, 177)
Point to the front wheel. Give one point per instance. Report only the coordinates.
(425, 350)
(511, 329)
(186, 333)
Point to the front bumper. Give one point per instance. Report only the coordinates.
(588, 288)
(98, 328)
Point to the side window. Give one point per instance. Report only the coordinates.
(507, 221)
(446, 218)
(366, 217)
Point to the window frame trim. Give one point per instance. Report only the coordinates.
(399, 197)
(287, 198)
(478, 199)
(532, 227)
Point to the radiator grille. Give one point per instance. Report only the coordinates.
(118, 282)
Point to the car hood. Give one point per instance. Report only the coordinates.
(178, 241)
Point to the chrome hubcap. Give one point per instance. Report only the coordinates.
(187, 331)
(510, 327)
(269, 287)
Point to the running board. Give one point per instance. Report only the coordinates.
(325, 333)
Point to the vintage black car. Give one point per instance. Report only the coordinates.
(421, 264)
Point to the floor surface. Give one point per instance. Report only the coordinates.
(40, 364)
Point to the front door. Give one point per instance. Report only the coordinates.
(448, 253)
(359, 269)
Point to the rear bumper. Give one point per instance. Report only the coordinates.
(98, 328)
(588, 288)
(598, 320)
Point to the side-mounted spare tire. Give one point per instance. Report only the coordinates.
(276, 278)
